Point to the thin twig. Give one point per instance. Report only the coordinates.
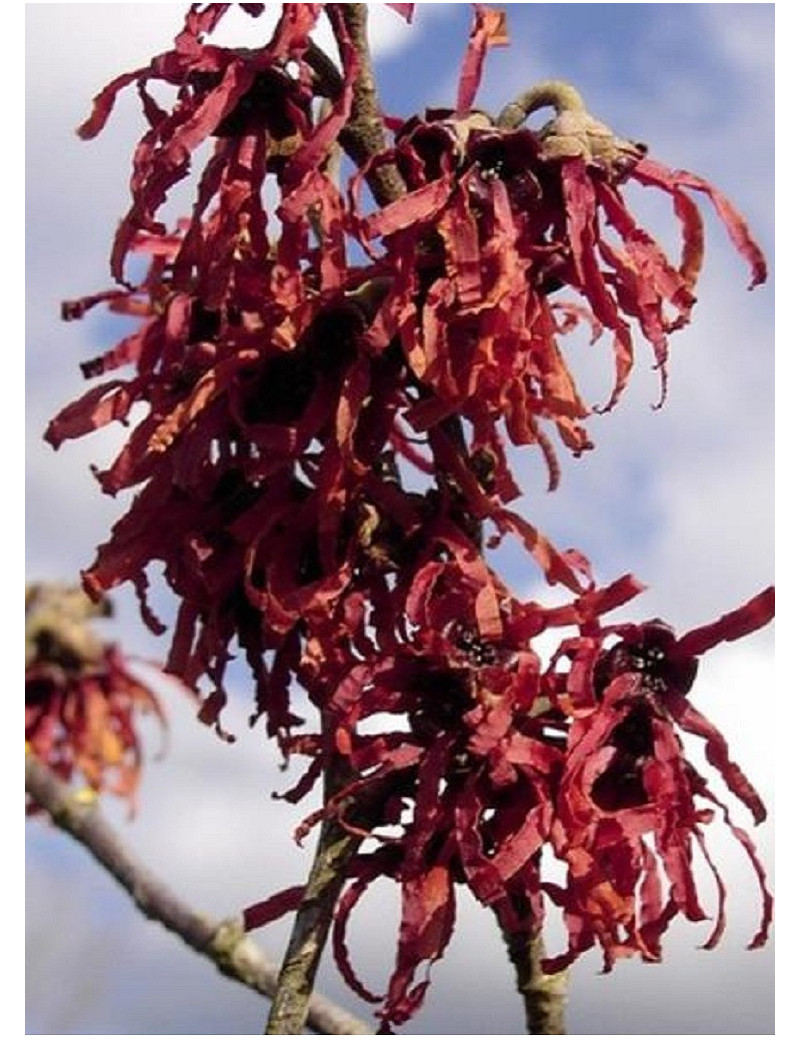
(363, 137)
(544, 996)
(225, 943)
(291, 1005)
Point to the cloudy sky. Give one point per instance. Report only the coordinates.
(682, 497)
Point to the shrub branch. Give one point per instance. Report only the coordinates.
(222, 942)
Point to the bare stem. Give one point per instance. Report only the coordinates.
(544, 996)
(335, 849)
(224, 943)
(363, 137)
(291, 1004)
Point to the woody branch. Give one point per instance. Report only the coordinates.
(224, 943)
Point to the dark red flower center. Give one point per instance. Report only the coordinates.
(653, 656)
(621, 786)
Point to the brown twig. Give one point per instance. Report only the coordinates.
(225, 943)
(544, 996)
(336, 847)
(362, 138)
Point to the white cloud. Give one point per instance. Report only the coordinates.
(74, 44)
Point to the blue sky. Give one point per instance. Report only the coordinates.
(683, 497)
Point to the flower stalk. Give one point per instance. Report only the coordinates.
(363, 136)
(551, 93)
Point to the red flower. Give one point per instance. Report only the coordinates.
(271, 489)
(461, 787)
(83, 703)
(630, 805)
(496, 223)
(459, 792)
(260, 117)
(492, 759)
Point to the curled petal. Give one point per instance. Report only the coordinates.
(283, 902)
(488, 30)
(751, 616)
(647, 171)
(690, 719)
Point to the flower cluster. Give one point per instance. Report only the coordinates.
(496, 755)
(323, 451)
(82, 701)
(629, 803)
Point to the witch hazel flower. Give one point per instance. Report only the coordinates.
(456, 787)
(488, 757)
(83, 702)
(632, 810)
(508, 238)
